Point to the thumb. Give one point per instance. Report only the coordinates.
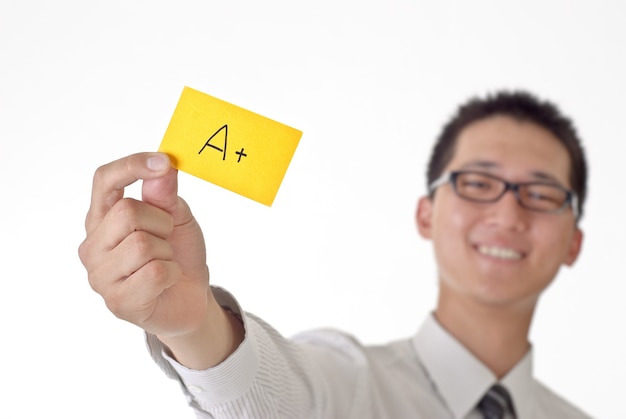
(162, 192)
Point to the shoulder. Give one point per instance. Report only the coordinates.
(551, 404)
(347, 345)
(332, 341)
(394, 360)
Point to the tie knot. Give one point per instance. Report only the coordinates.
(496, 403)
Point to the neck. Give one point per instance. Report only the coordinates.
(497, 334)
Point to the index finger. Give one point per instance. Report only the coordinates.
(110, 180)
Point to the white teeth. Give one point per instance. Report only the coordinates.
(499, 252)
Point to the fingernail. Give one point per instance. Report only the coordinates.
(158, 163)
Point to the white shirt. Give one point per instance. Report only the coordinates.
(327, 374)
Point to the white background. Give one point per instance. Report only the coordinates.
(369, 84)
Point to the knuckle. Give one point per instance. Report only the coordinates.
(125, 206)
(162, 274)
(157, 270)
(113, 306)
(130, 163)
(86, 256)
(84, 250)
(126, 211)
(100, 175)
(115, 302)
(95, 283)
(141, 244)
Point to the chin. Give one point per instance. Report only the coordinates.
(507, 298)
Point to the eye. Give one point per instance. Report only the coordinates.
(537, 196)
(544, 196)
(476, 184)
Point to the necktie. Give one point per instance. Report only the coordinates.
(496, 403)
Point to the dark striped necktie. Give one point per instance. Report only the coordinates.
(496, 403)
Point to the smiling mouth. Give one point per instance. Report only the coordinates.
(500, 252)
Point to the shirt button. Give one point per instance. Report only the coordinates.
(194, 389)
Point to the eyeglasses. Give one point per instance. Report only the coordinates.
(535, 196)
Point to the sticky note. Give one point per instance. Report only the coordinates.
(229, 146)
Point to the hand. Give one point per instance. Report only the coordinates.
(147, 258)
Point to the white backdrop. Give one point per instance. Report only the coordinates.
(369, 84)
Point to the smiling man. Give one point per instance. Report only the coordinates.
(506, 187)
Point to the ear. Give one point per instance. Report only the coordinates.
(575, 246)
(423, 217)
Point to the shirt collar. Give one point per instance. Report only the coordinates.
(520, 383)
(461, 379)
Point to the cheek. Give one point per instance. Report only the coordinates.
(553, 244)
(451, 224)
(452, 219)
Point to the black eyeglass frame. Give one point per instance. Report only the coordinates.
(450, 177)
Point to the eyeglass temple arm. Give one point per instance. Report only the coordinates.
(444, 178)
(574, 205)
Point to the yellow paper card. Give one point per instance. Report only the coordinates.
(229, 146)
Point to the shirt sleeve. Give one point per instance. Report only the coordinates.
(317, 375)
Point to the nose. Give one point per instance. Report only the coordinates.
(507, 213)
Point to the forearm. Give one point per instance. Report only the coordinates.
(266, 377)
(270, 374)
(217, 337)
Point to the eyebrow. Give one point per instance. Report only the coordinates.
(488, 164)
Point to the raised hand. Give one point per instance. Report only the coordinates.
(146, 258)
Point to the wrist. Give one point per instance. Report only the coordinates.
(217, 336)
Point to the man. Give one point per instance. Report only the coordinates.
(506, 187)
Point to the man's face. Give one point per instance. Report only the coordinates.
(500, 253)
